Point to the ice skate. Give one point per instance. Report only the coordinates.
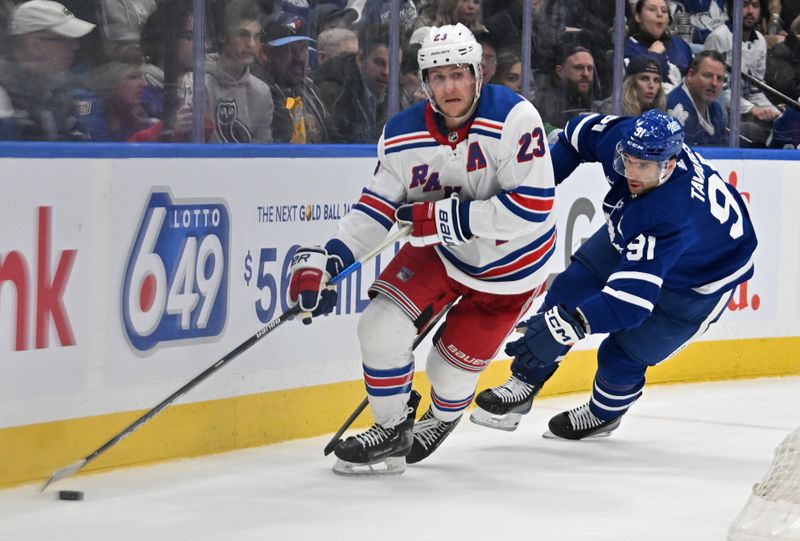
(580, 423)
(502, 407)
(379, 450)
(429, 433)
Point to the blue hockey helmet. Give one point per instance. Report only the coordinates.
(653, 136)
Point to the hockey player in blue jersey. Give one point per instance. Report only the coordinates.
(470, 170)
(678, 241)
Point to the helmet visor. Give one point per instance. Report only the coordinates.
(647, 172)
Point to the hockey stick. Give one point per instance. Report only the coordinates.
(761, 85)
(362, 406)
(261, 333)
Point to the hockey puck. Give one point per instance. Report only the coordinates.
(70, 495)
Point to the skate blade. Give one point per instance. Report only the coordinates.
(384, 468)
(550, 436)
(508, 422)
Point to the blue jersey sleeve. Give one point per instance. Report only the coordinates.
(586, 139)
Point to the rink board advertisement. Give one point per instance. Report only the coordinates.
(121, 279)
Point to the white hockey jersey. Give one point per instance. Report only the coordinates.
(499, 162)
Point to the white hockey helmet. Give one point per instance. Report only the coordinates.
(448, 45)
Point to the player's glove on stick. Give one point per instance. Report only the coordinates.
(311, 269)
(549, 336)
(434, 222)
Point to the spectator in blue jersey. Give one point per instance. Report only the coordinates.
(677, 242)
(116, 112)
(786, 131)
(694, 101)
(703, 16)
(648, 34)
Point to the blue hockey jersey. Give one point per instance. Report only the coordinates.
(699, 131)
(691, 235)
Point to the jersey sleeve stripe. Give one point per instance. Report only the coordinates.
(376, 207)
(636, 275)
(406, 137)
(487, 133)
(530, 204)
(627, 297)
(713, 287)
(410, 146)
(487, 127)
(485, 122)
(515, 265)
(575, 135)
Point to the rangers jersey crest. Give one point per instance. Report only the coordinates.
(499, 160)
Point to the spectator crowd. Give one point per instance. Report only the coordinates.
(318, 71)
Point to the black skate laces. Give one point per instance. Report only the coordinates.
(582, 418)
(513, 390)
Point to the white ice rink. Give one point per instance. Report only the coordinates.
(680, 468)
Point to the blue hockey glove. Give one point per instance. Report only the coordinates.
(548, 337)
(433, 222)
(310, 270)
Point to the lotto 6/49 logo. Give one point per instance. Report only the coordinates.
(175, 283)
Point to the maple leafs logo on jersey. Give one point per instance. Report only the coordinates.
(680, 113)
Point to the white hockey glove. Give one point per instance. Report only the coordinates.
(433, 222)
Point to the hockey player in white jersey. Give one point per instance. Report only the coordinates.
(470, 170)
(678, 241)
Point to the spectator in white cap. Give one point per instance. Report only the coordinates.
(35, 81)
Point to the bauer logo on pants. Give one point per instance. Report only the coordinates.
(176, 280)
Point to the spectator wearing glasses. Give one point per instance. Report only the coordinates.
(36, 87)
